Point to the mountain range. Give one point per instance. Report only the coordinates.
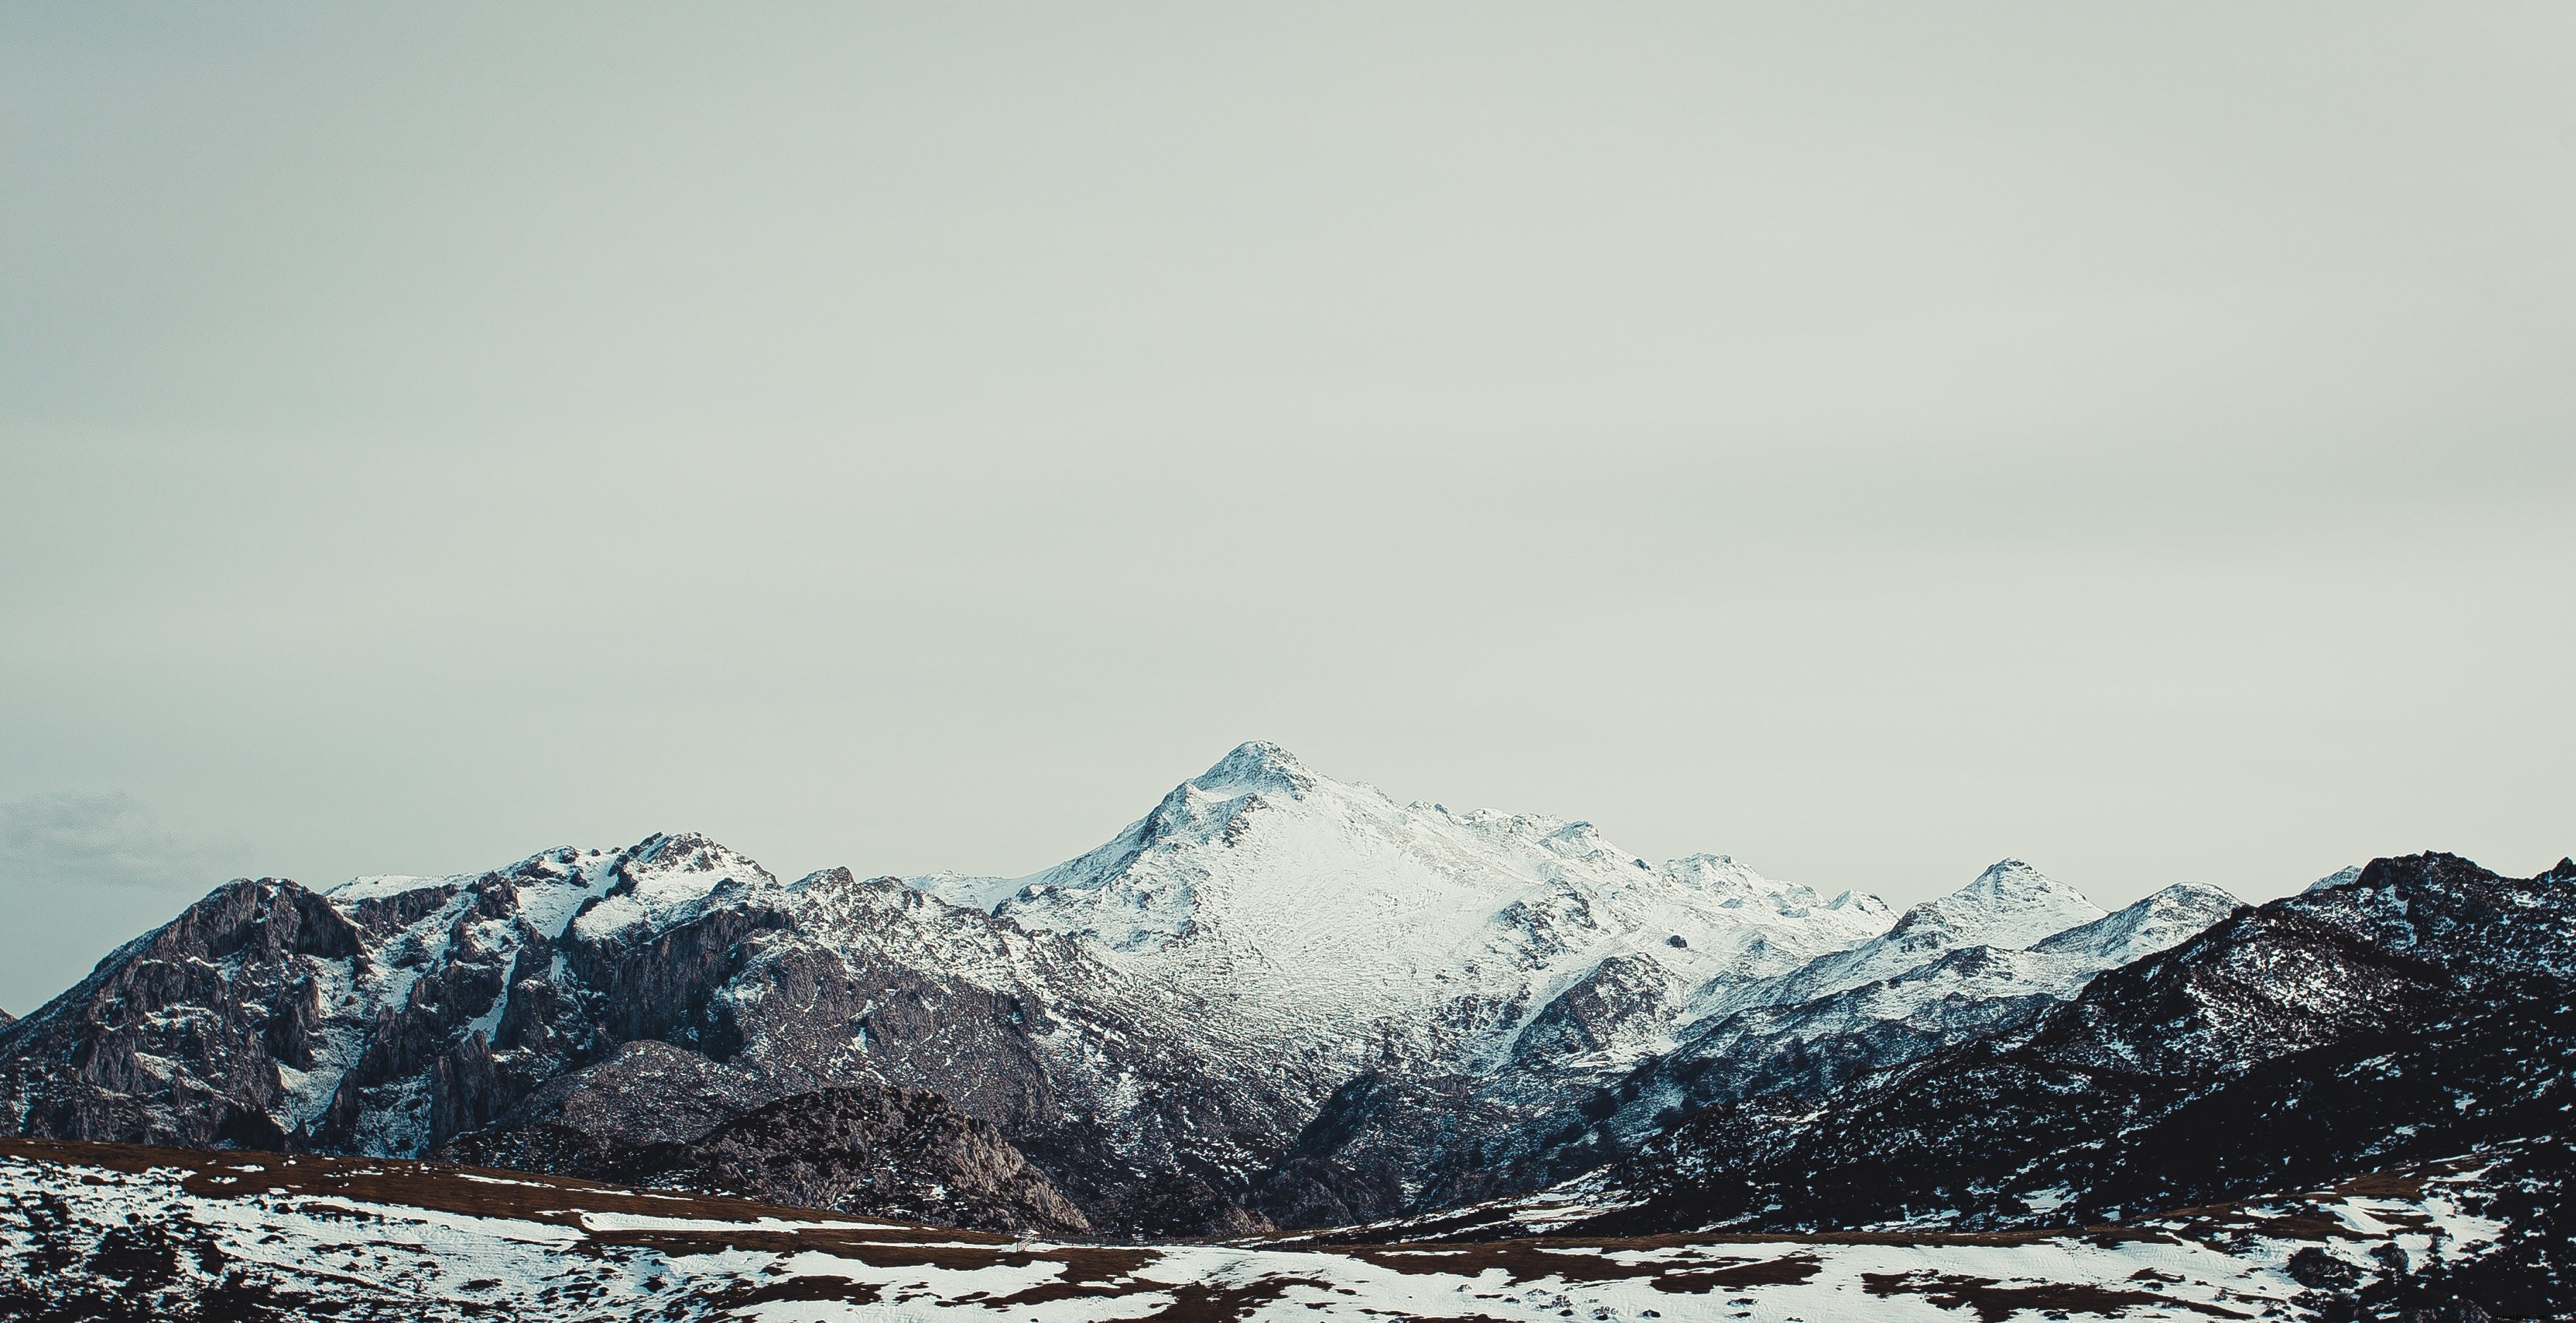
(1280, 1003)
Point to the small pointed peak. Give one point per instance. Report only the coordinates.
(1255, 765)
(2155, 922)
(2195, 894)
(680, 847)
(2013, 880)
(2344, 876)
(687, 854)
(2007, 870)
(2010, 905)
(1715, 872)
(541, 865)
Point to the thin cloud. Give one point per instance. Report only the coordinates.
(111, 839)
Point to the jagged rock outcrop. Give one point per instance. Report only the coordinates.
(191, 1034)
(665, 1117)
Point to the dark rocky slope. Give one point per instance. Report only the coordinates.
(395, 1018)
(664, 1118)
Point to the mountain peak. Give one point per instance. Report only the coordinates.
(1255, 765)
(2010, 905)
(2164, 919)
(665, 879)
(2194, 893)
(2008, 876)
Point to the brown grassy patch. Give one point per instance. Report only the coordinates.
(2402, 1183)
(557, 1200)
(1530, 1260)
(1995, 1302)
(1787, 1270)
(1215, 1302)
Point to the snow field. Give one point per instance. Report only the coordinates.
(395, 1259)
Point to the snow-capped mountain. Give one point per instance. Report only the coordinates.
(1274, 999)
(1339, 923)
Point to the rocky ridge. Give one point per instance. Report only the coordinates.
(660, 1117)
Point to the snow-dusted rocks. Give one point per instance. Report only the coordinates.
(2009, 906)
(1621, 1055)
(1942, 975)
(2421, 1008)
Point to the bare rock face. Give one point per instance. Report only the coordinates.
(896, 1153)
(665, 1117)
(187, 1035)
(649, 1093)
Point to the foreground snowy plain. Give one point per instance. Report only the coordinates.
(129, 1232)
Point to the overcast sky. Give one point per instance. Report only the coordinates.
(1868, 441)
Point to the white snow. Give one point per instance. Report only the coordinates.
(668, 880)
(1324, 913)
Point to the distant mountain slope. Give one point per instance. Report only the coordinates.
(2423, 1006)
(1791, 1037)
(2009, 906)
(1601, 1069)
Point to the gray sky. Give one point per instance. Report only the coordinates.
(1868, 441)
